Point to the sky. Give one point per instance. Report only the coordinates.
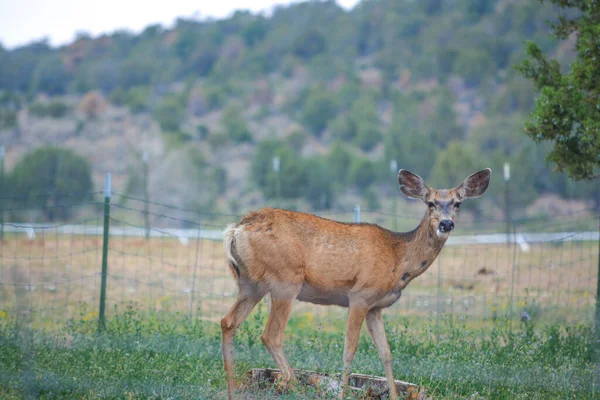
(59, 20)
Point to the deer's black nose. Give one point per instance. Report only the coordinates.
(446, 225)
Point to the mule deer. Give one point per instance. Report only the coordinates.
(293, 255)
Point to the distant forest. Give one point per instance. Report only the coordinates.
(430, 84)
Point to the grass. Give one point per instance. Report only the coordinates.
(143, 354)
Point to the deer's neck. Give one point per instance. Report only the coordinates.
(421, 246)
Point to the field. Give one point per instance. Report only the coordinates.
(57, 274)
(485, 321)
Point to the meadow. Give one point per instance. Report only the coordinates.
(484, 322)
(143, 355)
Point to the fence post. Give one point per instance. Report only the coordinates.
(438, 305)
(597, 321)
(101, 316)
(1, 192)
(193, 290)
(357, 213)
(507, 214)
(512, 279)
(146, 196)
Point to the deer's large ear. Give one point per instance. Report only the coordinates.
(412, 185)
(475, 185)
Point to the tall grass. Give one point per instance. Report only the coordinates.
(145, 355)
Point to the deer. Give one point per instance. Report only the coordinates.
(297, 256)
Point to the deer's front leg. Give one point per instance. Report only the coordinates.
(377, 331)
(356, 316)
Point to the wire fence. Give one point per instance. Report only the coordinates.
(169, 259)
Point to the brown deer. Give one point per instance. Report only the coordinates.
(364, 267)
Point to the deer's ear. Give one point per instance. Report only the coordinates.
(475, 185)
(412, 185)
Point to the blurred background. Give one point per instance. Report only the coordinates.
(198, 110)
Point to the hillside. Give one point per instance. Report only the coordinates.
(336, 95)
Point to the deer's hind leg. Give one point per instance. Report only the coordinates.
(281, 307)
(249, 295)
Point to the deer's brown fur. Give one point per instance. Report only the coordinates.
(364, 267)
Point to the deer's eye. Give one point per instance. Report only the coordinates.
(457, 205)
(431, 204)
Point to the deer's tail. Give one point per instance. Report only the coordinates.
(229, 243)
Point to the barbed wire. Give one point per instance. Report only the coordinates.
(172, 207)
(46, 194)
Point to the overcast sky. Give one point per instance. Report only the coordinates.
(26, 20)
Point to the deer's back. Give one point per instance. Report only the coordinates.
(288, 246)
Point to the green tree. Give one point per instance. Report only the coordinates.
(319, 185)
(235, 126)
(49, 177)
(169, 113)
(319, 108)
(364, 122)
(339, 161)
(51, 76)
(363, 173)
(567, 111)
(291, 176)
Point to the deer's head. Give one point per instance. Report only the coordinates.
(443, 203)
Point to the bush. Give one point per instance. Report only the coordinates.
(319, 108)
(235, 125)
(92, 104)
(53, 109)
(169, 114)
(136, 98)
(291, 180)
(10, 104)
(51, 176)
(51, 76)
(8, 119)
(217, 140)
(363, 172)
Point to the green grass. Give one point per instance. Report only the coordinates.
(146, 355)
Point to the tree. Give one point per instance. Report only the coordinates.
(319, 185)
(169, 114)
(319, 108)
(235, 125)
(51, 76)
(365, 120)
(291, 176)
(566, 109)
(50, 177)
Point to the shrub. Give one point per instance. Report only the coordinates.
(319, 108)
(53, 109)
(51, 176)
(235, 125)
(92, 104)
(169, 114)
(363, 172)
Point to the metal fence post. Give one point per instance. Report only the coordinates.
(146, 196)
(1, 192)
(357, 213)
(101, 314)
(438, 305)
(597, 321)
(507, 214)
(512, 279)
